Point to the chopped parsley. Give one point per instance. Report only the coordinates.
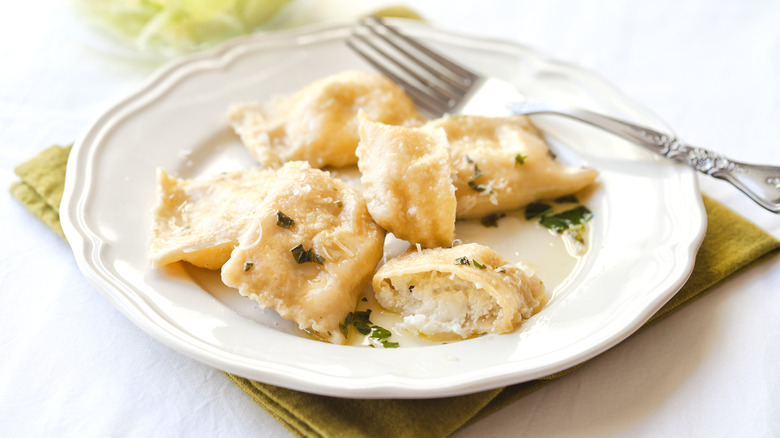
(465, 261)
(302, 255)
(537, 209)
(344, 326)
(248, 266)
(570, 224)
(283, 220)
(462, 261)
(477, 173)
(361, 320)
(567, 199)
(491, 220)
(382, 335)
(565, 220)
(520, 159)
(476, 187)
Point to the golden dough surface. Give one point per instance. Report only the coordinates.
(199, 220)
(456, 293)
(405, 173)
(488, 175)
(319, 122)
(332, 221)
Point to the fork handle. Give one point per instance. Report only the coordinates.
(760, 183)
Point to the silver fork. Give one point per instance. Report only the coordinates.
(440, 86)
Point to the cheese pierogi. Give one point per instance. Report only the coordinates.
(503, 163)
(405, 174)
(294, 239)
(311, 248)
(319, 123)
(458, 292)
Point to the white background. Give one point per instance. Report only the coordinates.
(72, 365)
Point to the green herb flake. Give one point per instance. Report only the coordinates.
(477, 173)
(520, 159)
(573, 218)
(362, 327)
(380, 333)
(491, 220)
(364, 315)
(303, 255)
(478, 264)
(248, 266)
(344, 326)
(339, 204)
(300, 254)
(316, 258)
(462, 261)
(567, 199)
(283, 220)
(537, 209)
(554, 223)
(361, 320)
(476, 187)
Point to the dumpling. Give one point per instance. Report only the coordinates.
(199, 220)
(405, 173)
(503, 163)
(456, 293)
(309, 251)
(319, 123)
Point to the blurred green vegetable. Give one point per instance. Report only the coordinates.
(172, 27)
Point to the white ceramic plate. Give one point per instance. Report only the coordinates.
(649, 222)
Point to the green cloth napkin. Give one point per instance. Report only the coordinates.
(731, 243)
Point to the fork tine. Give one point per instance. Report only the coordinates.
(456, 82)
(447, 92)
(465, 76)
(421, 96)
(435, 83)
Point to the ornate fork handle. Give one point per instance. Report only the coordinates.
(760, 183)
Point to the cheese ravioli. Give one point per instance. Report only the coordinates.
(311, 248)
(456, 293)
(319, 123)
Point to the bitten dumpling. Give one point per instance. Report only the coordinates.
(311, 248)
(503, 163)
(199, 220)
(456, 293)
(405, 173)
(319, 123)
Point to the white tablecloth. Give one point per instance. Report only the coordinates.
(72, 365)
